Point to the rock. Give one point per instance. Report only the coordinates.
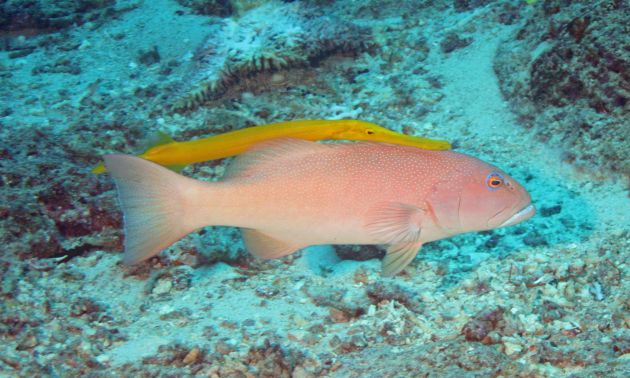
(267, 291)
(466, 5)
(535, 239)
(452, 41)
(338, 316)
(55, 15)
(550, 211)
(566, 73)
(162, 287)
(359, 252)
(478, 328)
(149, 57)
(511, 348)
(192, 356)
(221, 8)
(280, 36)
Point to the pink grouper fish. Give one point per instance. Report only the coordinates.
(288, 194)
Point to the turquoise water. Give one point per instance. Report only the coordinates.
(539, 89)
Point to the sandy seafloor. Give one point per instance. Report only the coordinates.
(546, 298)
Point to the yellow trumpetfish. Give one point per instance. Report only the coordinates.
(177, 155)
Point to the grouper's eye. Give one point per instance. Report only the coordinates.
(494, 181)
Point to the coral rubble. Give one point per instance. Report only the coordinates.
(267, 39)
(547, 298)
(50, 15)
(566, 73)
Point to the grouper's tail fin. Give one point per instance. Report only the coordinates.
(156, 203)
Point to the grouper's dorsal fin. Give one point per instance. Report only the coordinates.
(272, 152)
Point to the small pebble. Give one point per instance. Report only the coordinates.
(162, 287)
(192, 356)
(534, 239)
(511, 348)
(551, 210)
(338, 316)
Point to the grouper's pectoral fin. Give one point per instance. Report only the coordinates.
(399, 226)
(398, 257)
(267, 247)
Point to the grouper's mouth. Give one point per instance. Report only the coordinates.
(523, 214)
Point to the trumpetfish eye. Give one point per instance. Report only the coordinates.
(369, 131)
(494, 181)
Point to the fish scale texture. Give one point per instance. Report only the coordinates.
(545, 298)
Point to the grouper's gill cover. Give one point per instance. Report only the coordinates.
(288, 194)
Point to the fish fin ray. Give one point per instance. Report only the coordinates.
(152, 205)
(398, 257)
(158, 139)
(176, 167)
(269, 152)
(395, 222)
(100, 168)
(161, 138)
(267, 247)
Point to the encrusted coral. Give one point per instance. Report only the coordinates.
(221, 8)
(41, 14)
(567, 74)
(211, 7)
(269, 38)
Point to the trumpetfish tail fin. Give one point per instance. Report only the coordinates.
(158, 205)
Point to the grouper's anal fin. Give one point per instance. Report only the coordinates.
(267, 247)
